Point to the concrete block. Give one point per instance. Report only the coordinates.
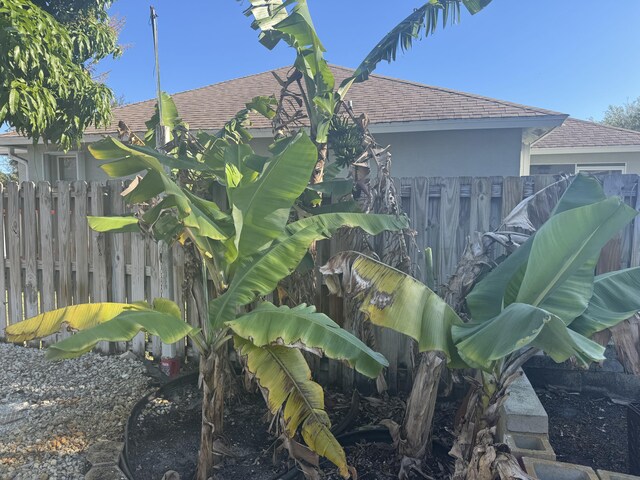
(549, 470)
(528, 445)
(522, 412)
(606, 475)
(104, 453)
(105, 473)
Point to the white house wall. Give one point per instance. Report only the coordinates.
(631, 159)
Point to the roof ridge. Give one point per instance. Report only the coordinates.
(207, 86)
(375, 75)
(467, 94)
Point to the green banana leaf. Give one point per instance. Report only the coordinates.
(75, 317)
(500, 287)
(369, 222)
(285, 378)
(616, 297)
(395, 300)
(260, 274)
(303, 327)
(422, 22)
(483, 345)
(566, 242)
(261, 209)
(122, 224)
(170, 118)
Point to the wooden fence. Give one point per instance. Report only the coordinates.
(52, 259)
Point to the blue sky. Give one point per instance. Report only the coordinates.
(572, 56)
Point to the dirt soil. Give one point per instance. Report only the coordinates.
(587, 430)
(167, 438)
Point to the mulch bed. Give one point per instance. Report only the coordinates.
(584, 429)
(587, 430)
(166, 437)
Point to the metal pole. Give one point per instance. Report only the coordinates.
(165, 258)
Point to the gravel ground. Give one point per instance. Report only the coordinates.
(50, 412)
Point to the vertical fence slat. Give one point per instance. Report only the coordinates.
(137, 285)
(178, 288)
(450, 213)
(433, 226)
(99, 254)
(63, 212)
(154, 291)
(13, 241)
(117, 248)
(480, 205)
(81, 234)
(419, 208)
(30, 250)
(3, 271)
(47, 258)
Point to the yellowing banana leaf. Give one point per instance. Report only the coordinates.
(123, 328)
(261, 209)
(114, 224)
(259, 275)
(303, 327)
(76, 317)
(393, 299)
(520, 325)
(285, 379)
(566, 242)
(616, 297)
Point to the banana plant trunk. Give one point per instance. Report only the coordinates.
(212, 380)
(417, 424)
(318, 171)
(476, 449)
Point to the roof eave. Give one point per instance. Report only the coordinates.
(588, 149)
(538, 121)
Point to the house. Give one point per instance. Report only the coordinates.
(432, 131)
(580, 146)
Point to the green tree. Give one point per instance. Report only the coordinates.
(48, 49)
(624, 116)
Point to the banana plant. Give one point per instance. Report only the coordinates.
(290, 21)
(247, 248)
(543, 297)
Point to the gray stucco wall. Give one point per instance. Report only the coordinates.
(455, 153)
(632, 160)
(437, 153)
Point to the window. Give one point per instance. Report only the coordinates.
(552, 169)
(63, 167)
(602, 168)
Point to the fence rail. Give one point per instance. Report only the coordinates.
(52, 259)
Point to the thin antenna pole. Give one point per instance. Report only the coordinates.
(154, 29)
(169, 363)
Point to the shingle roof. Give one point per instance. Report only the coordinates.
(580, 133)
(384, 99)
